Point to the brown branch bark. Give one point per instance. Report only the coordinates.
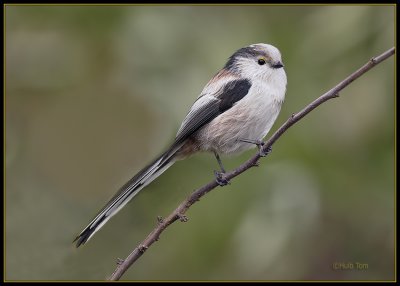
(179, 212)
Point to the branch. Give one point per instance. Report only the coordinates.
(179, 212)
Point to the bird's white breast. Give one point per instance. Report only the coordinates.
(250, 118)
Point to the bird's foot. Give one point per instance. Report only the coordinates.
(220, 178)
(262, 152)
(260, 145)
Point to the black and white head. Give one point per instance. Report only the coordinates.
(258, 61)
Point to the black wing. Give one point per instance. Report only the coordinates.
(209, 106)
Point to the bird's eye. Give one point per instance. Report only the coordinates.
(261, 61)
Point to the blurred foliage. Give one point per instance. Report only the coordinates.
(95, 92)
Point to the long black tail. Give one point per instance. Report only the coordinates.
(127, 192)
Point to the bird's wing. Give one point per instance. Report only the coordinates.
(212, 104)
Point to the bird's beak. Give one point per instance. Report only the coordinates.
(278, 65)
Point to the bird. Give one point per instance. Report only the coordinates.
(233, 113)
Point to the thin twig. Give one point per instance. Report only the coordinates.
(178, 213)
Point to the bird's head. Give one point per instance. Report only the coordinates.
(257, 61)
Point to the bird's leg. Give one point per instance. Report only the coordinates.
(220, 176)
(219, 162)
(260, 145)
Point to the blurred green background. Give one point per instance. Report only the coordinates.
(93, 93)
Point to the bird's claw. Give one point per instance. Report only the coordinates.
(260, 144)
(262, 152)
(220, 178)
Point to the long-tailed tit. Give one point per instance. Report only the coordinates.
(235, 111)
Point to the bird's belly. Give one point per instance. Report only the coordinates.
(251, 119)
